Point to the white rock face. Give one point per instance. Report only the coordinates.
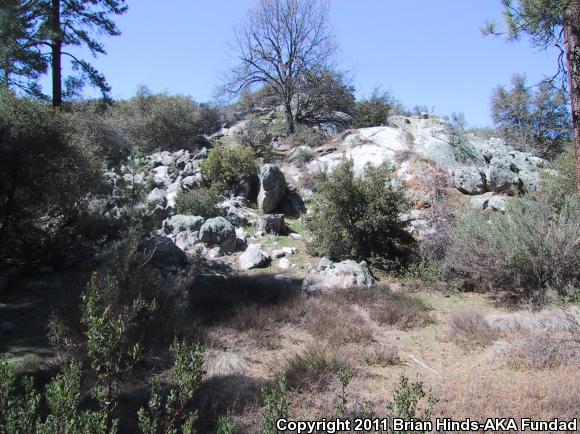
(328, 276)
(501, 167)
(283, 264)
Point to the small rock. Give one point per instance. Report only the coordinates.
(253, 257)
(284, 264)
(289, 250)
(296, 236)
(277, 253)
(271, 223)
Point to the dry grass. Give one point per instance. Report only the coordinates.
(314, 369)
(543, 396)
(337, 323)
(386, 307)
(544, 351)
(470, 330)
(382, 355)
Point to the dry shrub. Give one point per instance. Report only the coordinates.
(337, 323)
(470, 329)
(386, 307)
(382, 355)
(544, 351)
(313, 370)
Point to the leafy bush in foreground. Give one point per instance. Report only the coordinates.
(358, 217)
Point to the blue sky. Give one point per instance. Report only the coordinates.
(426, 52)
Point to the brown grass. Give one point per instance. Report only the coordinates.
(470, 330)
(543, 396)
(337, 323)
(544, 351)
(382, 355)
(314, 369)
(384, 306)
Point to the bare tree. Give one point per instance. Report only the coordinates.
(279, 45)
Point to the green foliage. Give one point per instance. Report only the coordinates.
(19, 402)
(225, 425)
(536, 121)
(111, 352)
(164, 122)
(172, 414)
(374, 111)
(21, 63)
(276, 401)
(63, 400)
(528, 250)
(408, 403)
(428, 273)
(258, 136)
(455, 130)
(324, 92)
(556, 187)
(199, 202)
(344, 376)
(541, 20)
(225, 168)
(358, 217)
(306, 136)
(45, 179)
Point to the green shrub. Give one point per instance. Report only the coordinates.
(374, 111)
(109, 346)
(409, 403)
(358, 217)
(306, 136)
(172, 413)
(257, 136)
(226, 168)
(164, 122)
(45, 179)
(20, 405)
(528, 250)
(199, 202)
(556, 187)
(276, 406)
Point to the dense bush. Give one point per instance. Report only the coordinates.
(529, 250)
(306, 136)
(322, 93)
(258, 136)
(44, 179)
(537, 121)
(199, 202)
(557, 186)
(374, 111)
(358, 217)
(226, 168)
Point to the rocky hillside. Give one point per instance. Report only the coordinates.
(260, 227)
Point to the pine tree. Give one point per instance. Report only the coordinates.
(28, 27)
(21, 59)
(551, 23)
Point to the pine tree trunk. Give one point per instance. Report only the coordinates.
(573, 58)
(56, 55)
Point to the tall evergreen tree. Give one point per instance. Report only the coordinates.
(551, 23)
(28, 27)
(75, 23)
(21, 59)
